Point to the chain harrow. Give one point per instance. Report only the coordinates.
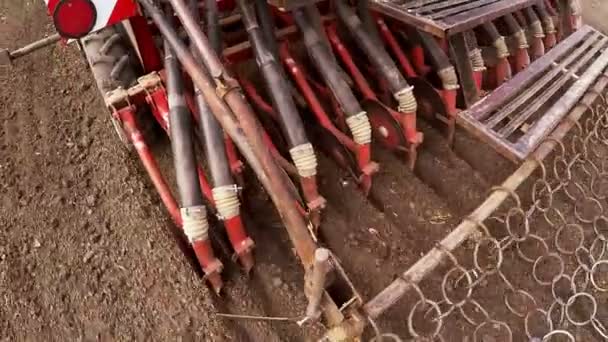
(544, 251)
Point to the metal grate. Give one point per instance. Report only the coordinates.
(518, 115)
(445, 17)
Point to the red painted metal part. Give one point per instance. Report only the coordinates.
(127, 117)
(145, 43)
(312, 100)
(521, 60)
(241, 243)
(407, 120)
(419, 60)
(391, 41)
(315, 202)
(160, 109)
(203, 250)
(362, 152)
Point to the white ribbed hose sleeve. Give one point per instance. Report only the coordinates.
(227, 202)
(406, 99)
(502, 51)
(304, 158)
(537, 29)
(360, 128)
(449, 79)
(522, 40)
(195, 224)
(477, 60)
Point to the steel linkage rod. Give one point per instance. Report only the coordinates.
(193, 210)
(467, 228)
(300, 149)
(324, 60)
(225, 190)
(227, 103)
(384, 65)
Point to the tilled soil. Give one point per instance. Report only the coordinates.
(88, 253)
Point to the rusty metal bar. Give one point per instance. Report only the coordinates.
(541, 83)
(505, 93)
(246, 131)
(424, 266)
(460, 9)
(550, 119)
(317, 280)
(477, 16)
(448, 17)
(569, 74)
(6, 57)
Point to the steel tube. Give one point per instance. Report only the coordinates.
(266, 21)
(181, 130)
(246, 131)
(326, 64)
(278, 87)
(212, 134)
(378, 57)
(35, 46)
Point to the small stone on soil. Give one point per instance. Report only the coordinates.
(37, 243)
(91, 200)
(87, 257)
(277, 282)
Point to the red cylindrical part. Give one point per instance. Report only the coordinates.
(522, 59)
(241, 243)
(502, 71)
(550, 40)
(478, 77)
(145, 155)
(449, 100)
(391, 41)
(311, 98)
(347, 59)
(418, 60)
(364, 157)
(210, 264)
(537, 47)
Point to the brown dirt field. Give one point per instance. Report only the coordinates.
(88, 253)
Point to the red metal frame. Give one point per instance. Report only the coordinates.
(202, 248)
(362, 152)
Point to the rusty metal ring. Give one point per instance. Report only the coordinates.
(530, 238)
(600, 328)
(554, 283)
(546, 187)
(537, 263)
(596, 229)
(493, 324)
(526, 224)
(466, 276)
(574, 276)
(558, 333)
(410, 319)
(571, 301)
(527, 321)
(592, 275)
(562, 315)
(522, 293)
(487, 271)
(585, 220)
(594, 245)
(559, 213)
(581, 241)
(479, 308)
